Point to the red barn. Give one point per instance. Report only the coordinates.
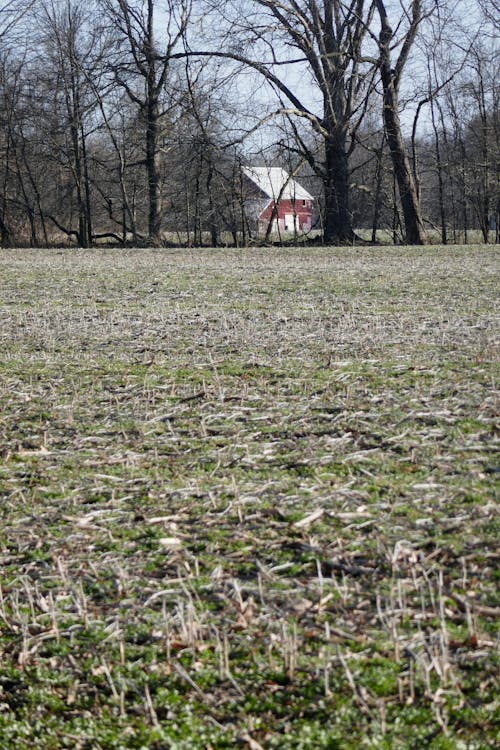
(275, 197)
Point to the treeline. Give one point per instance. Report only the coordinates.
(128, 121)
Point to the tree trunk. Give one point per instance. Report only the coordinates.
(337, 228)
(378, 190)
(439, 169)
(448, 170)
(152, 166)
(74, 115)
(214, 233)
(86, 190)
(415, 233)
(485, 187)
(153, 89)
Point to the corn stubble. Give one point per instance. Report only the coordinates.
(248, 498)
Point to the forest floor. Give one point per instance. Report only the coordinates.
(247, 499)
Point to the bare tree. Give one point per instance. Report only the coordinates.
(56, 116)
(21, 196)
(12, 12)
(326, 38)
(391, 74)
(483, 136)
(491, 12)
(142, 68)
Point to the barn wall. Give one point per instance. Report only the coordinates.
(289, 208)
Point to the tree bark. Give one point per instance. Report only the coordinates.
(153, 174)
(338, 222)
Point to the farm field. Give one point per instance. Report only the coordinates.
(247, 499)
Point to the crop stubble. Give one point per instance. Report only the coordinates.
(249, 496)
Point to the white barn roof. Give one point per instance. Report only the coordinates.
(271, 181)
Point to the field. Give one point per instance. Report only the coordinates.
(248, 499)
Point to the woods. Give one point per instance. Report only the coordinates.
(128, 121)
